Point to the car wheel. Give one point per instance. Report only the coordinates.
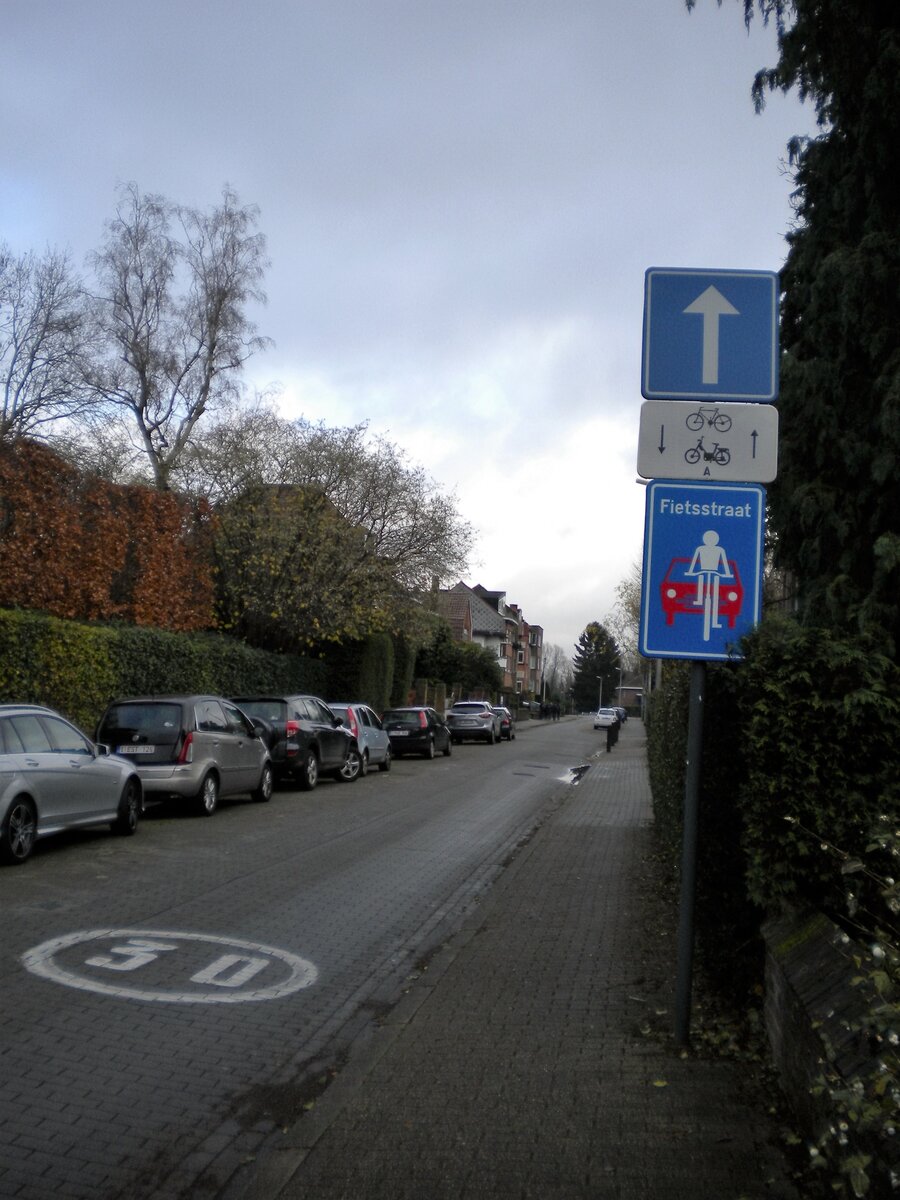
(207, 799)
(126, 822)
(308, 775)
(448, 749)
(429, 752)
(491, 738)
(364, 763)
(266, 786)
(352, 767)
(18, 832)
(386, 764)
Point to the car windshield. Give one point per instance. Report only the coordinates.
(158, 723)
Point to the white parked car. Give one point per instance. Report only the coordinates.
(604, 717)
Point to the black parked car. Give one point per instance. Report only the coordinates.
(305, 738)
(416, 730)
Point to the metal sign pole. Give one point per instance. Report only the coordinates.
(689, 855)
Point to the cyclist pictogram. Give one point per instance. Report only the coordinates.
(710, 565)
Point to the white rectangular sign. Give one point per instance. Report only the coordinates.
(735, 443)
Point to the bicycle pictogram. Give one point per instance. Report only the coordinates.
(713, 417)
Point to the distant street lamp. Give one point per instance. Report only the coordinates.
(600, 701)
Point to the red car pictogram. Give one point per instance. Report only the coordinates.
(678, 592)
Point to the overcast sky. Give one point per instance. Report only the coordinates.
(460, 199)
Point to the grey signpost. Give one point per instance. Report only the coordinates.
(709, 371)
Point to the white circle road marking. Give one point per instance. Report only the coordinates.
(162, 957)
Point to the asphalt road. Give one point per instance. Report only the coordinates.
(169, 1000)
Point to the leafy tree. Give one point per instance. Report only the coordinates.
(413, 530)
(292, 573)
(835, 502)
(173, 286)
(596, 664)
(396, 526)
(41, 341)
(465, 666)
(625, 619)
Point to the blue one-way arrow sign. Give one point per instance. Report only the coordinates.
(710, 335)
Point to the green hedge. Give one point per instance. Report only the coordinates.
(820, 713)
(799, 754)
(362, 671)
(77, 669)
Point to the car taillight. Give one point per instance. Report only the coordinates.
(423, 721)
(354, 727)
(187, 750)
(291, 729)
(486, 716)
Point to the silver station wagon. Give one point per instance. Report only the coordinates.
(53, 778)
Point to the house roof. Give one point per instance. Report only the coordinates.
(485, 620)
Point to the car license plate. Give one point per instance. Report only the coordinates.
(135, 750)
(399, 733)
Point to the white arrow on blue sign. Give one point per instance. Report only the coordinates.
(710, 335)
(703, 564)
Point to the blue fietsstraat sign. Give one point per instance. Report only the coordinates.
(710, 335)
(703, 566)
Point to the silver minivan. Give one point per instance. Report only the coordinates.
(198, 748)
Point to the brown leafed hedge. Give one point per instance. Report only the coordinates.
(78, 547)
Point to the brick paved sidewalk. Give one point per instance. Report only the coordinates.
(515, 1066)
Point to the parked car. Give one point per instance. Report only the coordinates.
(623, 714)
(305, 738)
(473, 719)
(416, 730)
(507, 722)
(196, 748)
(53, 778)
(604, 717)
(363, 723)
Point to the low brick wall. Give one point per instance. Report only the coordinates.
(811, 1009)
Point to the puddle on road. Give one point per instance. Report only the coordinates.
(574, 775)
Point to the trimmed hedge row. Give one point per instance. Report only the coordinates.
(799, 754)
(77, 669)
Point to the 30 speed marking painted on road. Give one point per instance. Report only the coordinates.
(170, 967)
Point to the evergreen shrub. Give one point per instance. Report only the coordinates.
(77, 669)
